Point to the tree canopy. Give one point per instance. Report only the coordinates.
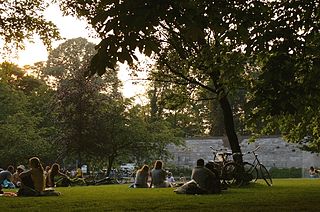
(269, 48)
(21, 20)
(23, 132)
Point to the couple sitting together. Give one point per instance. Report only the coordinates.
(158, 177)
(203, 181)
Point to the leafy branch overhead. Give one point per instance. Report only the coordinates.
(221, 46)
(21, 20)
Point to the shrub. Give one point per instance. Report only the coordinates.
(286, 172)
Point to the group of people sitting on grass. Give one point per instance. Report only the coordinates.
(203, 180)
(36, 181)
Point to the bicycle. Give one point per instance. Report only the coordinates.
(221, 157)
(101, 178)
(262, 171)
(232, 171)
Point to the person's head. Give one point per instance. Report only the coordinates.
(311, 168)
(169, 174)
(35, 163)
(158, 164)
(10, 169)
(145, 168)
(55, 168)
(20, 168)
(200, 162)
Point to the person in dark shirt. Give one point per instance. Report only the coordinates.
(205, 178)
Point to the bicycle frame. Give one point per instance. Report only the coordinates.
(256, 161)
(262, 171)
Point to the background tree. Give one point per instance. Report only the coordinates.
(222, 46)
(96, 122)
(123, 133)
(21, 20)
(196, 42)
(194, 110)
(75, 95)
(284, 93)
(23, 133)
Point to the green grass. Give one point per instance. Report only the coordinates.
(285, 195)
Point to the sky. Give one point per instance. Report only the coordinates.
(70, 27)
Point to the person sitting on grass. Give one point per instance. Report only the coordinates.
(141, 179)
(205, 178)
(313, 172)
(33, 181)
(54, 172)
(6, 177)
(79, 173)
(170, 178)
(16, 178)
(158, 176)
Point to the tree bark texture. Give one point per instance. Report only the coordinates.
(230, 128)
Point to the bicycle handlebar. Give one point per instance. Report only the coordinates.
(258, 147)
(222, 150)
(253, 151)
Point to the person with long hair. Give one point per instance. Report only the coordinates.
(158, 176)
(33, 181)
(141, 179)
(52, 173)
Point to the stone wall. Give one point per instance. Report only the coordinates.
(273, 152)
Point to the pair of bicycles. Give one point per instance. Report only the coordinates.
(233, 173)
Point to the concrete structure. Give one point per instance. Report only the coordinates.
(273, 152)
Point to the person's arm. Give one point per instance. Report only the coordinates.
(62, 174)
(192, 173)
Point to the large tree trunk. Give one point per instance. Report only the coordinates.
(230, 128)
(110, 163)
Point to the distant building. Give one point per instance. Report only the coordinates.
(273, 152)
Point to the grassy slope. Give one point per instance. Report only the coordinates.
(285, 195)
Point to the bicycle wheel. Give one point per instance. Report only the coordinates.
(264, 173)
(230, 174)
(250, 171)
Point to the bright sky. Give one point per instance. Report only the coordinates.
(70, 27)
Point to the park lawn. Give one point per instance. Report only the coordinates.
(284, 195)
